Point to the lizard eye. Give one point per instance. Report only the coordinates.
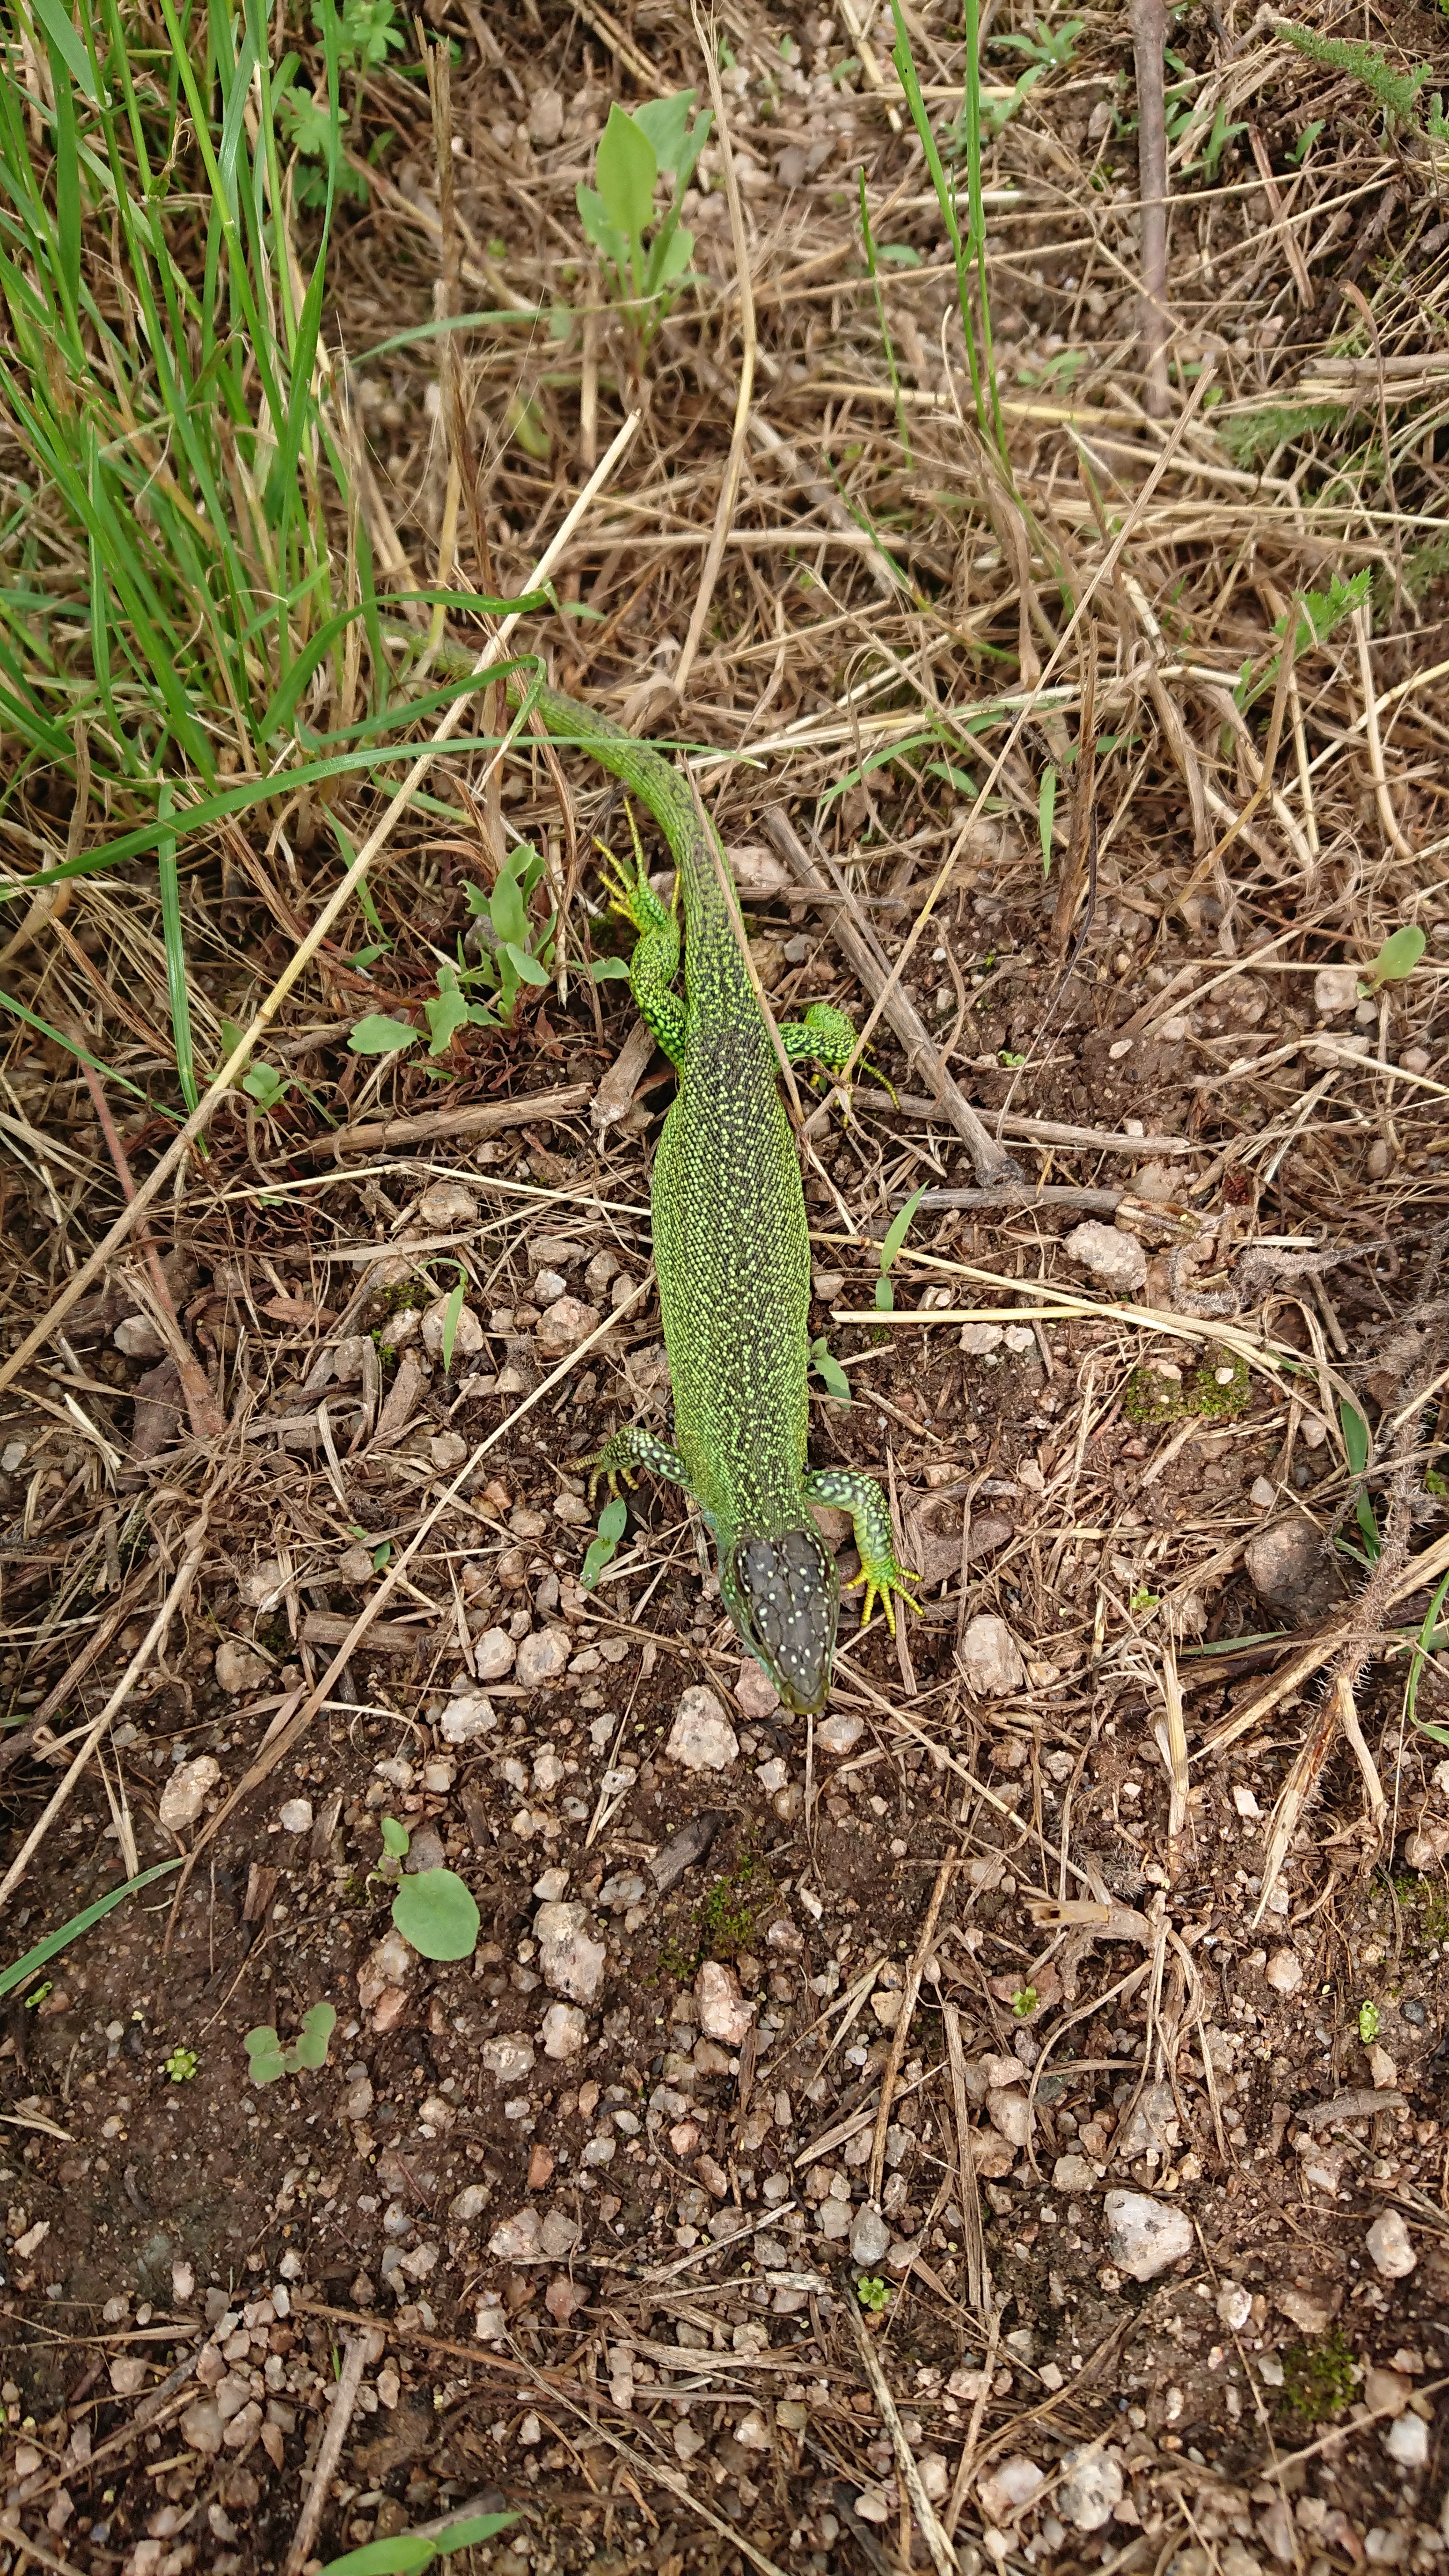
(786, 1597)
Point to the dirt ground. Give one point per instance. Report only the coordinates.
(1004, 2120)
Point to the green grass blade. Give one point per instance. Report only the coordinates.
(177, 989)
(54, 1942)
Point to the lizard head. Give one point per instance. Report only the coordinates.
(783, 1595)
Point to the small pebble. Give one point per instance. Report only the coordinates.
(1389, 2246)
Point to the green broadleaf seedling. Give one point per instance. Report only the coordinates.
(438, 1914)
(267, 2060)
(828, 1369)
(1396, 960)
(613, 1521)
(408, 2553)
(378, 1035)
(395, 1838)
(645, 262)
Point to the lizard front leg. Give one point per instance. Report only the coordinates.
(628, 1450)
(655, 961)
(880, 1573)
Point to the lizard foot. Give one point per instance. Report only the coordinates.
(883, 1580)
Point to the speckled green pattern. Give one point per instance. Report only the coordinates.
(732, 1248)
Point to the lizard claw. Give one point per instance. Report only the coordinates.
(599, 1469)
(881, 1582)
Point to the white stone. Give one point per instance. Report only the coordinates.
(559, 2235)
(469, 2203)
(239, 1668)
(565, 2032)
(935, 2474)
(1245, 1802)
(565, 1324)
(870, 2237)
(1145, 2236)
(466, 1717)
(1010, 2114)
(493, 1654)
(490, 2319)
(756, 1693)
(1389, 2246)
(979, 1340)
(508, 2059)
(873, 2506)
(1015, 2483)
(136, 1338)
(447, 1203)
(624, 1889)
(989, 1661)
(1335, 989)
(1114, 1257)
(1262, 1493)
(839, 1732)
(542, 1657)
(723, 2013)
(1235, 2306)
(1284, 1972)
(1407, 2441)
(1091, 2490)
(295, 1815)
(1072, 2174)
(518, 2239)
(201, 2427)
(549, 1286)
(187, 1790)
(553, 1884)
(570, 1962)
(1387, 2392)
(701, 1738)
(390, 1963)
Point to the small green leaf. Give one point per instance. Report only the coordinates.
(626, 169)
(395, 1838)
(264, 2055)
(406, 2554)
(1397, 958)
(899, 1228)
(451, 1313)
(382, 1555)
(478, 2526)
(1024, 2003)
(885, 1297)
(665, 124)
(1045, 815)
(609, 970)
(613, 1521)
(1355, 1436)
(437, 1913)
(265, 1086)
(376, 1035)
(318, 2024)
(873, 2293)
(827, 1367)
(1368, 2023)
(447, 1014)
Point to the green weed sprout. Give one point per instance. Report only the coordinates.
(601, 1551)
(1429, 1637)
(873, 2293)
(1395, 92)
(181, 2065)
(266, 2057)
(896, 1232)
(828, 1369)
(1396, 960)
(433, 1908)
(514, 951)
(408, 2553)
(366, 34)
(645, 261)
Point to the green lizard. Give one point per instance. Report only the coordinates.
(731, 1246)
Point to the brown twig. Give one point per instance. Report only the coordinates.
(1149, 36)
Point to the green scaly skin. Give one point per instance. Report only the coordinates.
(731, 1248)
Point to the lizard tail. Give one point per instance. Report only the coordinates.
(648, 776)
